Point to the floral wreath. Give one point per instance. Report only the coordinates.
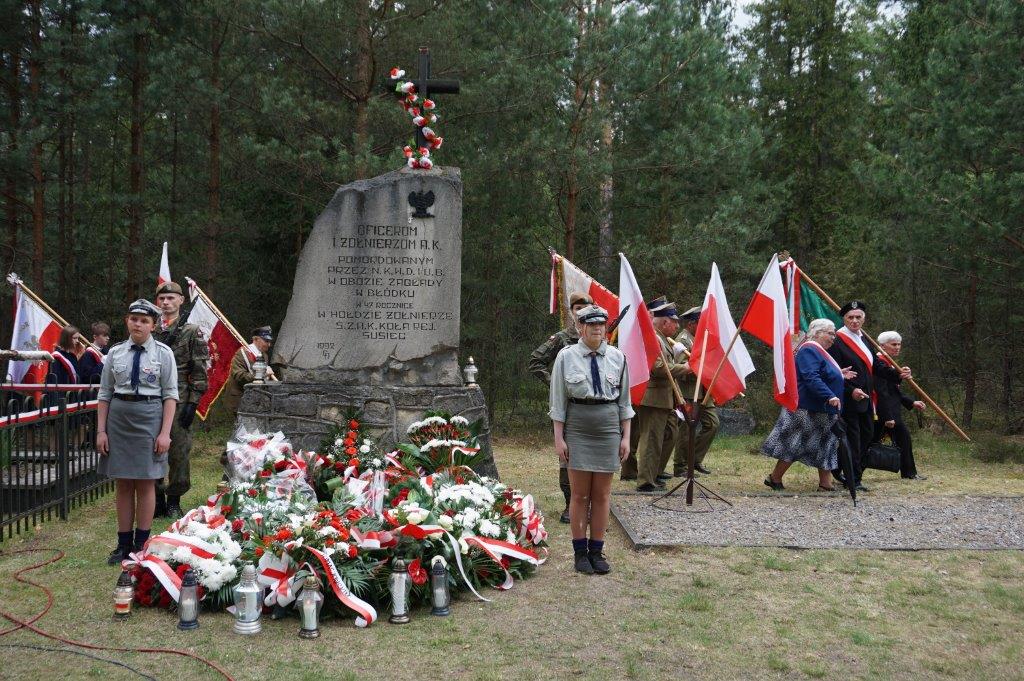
(424, 114)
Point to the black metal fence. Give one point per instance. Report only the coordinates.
(48, 456)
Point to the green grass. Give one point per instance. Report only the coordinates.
(724, 613)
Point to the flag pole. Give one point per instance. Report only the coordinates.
(16, 282)
(707, 393)
(913, 384)
(700, 367)
(216, 310)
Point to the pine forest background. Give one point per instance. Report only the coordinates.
(881, 143)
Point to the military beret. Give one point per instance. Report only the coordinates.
(853, 305)
(577, 298)
(264, 332)
(692, 314)
(169, 287)
(143, 306)
(592, 314)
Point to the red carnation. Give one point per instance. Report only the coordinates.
(400, 497)
(253, 493)
(352, 435)
(328, 542)
(225, 509)
(416, 573)
(181, 570)
(258, 444)
(339, 465)
(246, 535)
(258, 551)
(237, 524)
(283, 534)
(264, 474)
(353, 514)
(353, 424)
(342, 533)
(351, 451)
(353, 461)
(281, 465)
(352, 551)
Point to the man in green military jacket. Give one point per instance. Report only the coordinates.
(540, 366)
(192, 355)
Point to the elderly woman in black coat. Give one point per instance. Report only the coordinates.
(890, 400)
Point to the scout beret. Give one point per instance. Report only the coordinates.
(263, 332)
(577, 298)
(592, 314)
(692, 314)
(143, 306)
(853, 305)
(169, 287)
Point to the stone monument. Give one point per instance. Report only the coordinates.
(373, 321)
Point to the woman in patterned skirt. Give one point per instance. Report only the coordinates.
(805, 435)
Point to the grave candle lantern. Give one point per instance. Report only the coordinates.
(439, 593)
(124, 594)
(309, 603)
(400, 585)
(248, 602)
(188, 602)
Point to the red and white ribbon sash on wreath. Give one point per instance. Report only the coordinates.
(468, 451)
(198, 547)
(278, 573)
(167, 577)
(495, 548)
(530, 522)
(420, 532)
(367, 613)
(373, 539)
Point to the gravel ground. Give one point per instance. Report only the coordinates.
(827, 522)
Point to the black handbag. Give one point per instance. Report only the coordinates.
(883, 458)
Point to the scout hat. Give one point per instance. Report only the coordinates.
(143, 306)
(592, 314)
(692, 314)
(853, 305)
(169, 287)
(577, 298)
(263, 332)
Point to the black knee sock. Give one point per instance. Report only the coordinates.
(124, 539)
(595, 545)
(141, 536)
(579, 545)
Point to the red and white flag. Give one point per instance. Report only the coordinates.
(638, 340)
(767, 318)
(574, 280)
(717, 326)
(222, 342)
(165, 269)
(34, 329)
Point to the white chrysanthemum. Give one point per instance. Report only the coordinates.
(413, 427)
(365, 449)
(434, 421)
(445, 522)
(367, 441)
(327, 531)
(460, 421)
(489, 529)
(337, 442)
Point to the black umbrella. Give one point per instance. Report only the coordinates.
(846, 458)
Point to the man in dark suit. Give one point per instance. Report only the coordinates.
(890, 399)
(851, 351)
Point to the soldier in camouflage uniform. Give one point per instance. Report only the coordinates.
(540, 366)
(191, 354)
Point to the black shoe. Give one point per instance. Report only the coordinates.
(174, 511)
(679, 475)
(118, 554)
(862, 488)
(564, 518)
(627, 477)
(647, 487)
(840, 478)
(663, 477)
(777, 486)
(582, 563)
(700, 469)
(599, 562)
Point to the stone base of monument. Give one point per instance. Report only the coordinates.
(307, 412)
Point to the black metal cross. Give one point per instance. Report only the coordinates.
(427, 88)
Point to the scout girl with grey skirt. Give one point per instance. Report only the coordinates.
(591, 413)
(137, 397)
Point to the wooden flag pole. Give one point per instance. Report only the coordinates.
(913, 384)
(15, 281)
(216, 310)
(725, 358)
(676, 392)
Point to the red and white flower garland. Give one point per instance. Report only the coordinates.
(424, 114)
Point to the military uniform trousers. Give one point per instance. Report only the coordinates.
(178, 476)
(656, 433)
(702, 440)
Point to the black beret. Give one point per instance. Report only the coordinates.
(853, 305)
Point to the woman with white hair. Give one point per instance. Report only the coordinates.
(805, 435)
(890, 399)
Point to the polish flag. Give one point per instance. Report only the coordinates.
(575, 280)
(717, 326)
(222, 342)
(767, 318)
(165, 269)
(34, 329)
(638, 340)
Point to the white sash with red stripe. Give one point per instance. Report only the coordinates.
(821, 351)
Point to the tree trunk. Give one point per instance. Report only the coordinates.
(136, 174)
(173, 208)
(213, 226)
(35, 72)
(970, 350)
(113, 212)
(572, 180)
(364, 77)
(605, 231)
(10, 177)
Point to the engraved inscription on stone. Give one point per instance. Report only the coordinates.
(376, 289)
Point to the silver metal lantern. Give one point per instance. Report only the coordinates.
(248, 602)
(400, 585)
(309, 603)
(440, 596)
